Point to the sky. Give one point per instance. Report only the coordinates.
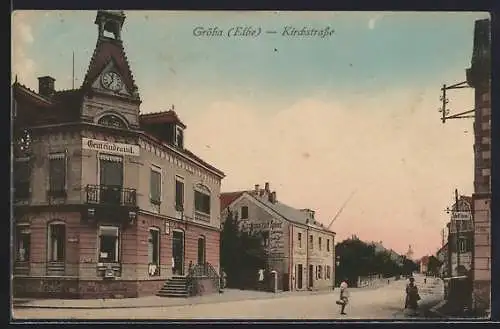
(320, 119)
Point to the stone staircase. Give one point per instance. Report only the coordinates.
(176, 286)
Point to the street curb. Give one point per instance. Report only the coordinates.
(186, 303)
(434, 309)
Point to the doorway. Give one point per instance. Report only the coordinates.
(178, 252)
(299, 276)
(201, 250)
(311, 273)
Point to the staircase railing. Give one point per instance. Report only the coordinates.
(201, 271)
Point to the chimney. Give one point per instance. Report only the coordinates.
(267, 187)
(273, 197)
(46, 86)
(257, 189)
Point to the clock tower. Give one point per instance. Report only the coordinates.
(109, 83)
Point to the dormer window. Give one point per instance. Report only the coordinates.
(179, 137)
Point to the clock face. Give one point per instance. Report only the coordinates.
(112, 81)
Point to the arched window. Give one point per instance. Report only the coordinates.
(57, 242)
(111, 120)
(154, 251)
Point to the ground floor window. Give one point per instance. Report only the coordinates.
(320, 272)
(109, 244)
(154, 251)
(23, 240)
(328, 272)
(57, 242)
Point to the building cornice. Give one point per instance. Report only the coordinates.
(177, 220)
(139, 133)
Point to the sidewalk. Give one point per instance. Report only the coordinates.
(156, 301)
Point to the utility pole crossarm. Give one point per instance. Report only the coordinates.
(445, 111)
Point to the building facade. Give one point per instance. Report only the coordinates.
(460, 238)
(479, 78)
(442, 257)
(107, 202)
(299, 248)
(424, 264)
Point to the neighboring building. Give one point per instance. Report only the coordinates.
(460, 238)
(300, 249)
(105, 198)
(479, 78)
(442, 257)
(424, 264)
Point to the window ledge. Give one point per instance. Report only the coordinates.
(199, 215)
(155, 202)
(57, 194)
(104, 265)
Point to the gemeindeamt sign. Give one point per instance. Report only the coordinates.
(110, 147)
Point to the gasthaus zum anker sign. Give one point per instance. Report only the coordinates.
(110, 147)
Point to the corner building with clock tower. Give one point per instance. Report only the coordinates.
(107, 202)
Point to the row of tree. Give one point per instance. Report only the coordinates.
(356, 258)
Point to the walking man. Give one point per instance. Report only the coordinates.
(344, 297)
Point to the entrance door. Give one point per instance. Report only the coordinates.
(299, 276)
(311, 276)
(201, 250)
(178, 252)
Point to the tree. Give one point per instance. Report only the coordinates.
(242, 253)
(433, 265)
(409, 266)
(357, 258)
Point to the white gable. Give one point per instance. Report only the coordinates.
(97, 82)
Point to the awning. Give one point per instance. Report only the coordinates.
(57, 156)
(108, 231)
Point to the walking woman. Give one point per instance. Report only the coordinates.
(412, 296)
(344, 297)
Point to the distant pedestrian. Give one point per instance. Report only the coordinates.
(412, 296)
(344, 297)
